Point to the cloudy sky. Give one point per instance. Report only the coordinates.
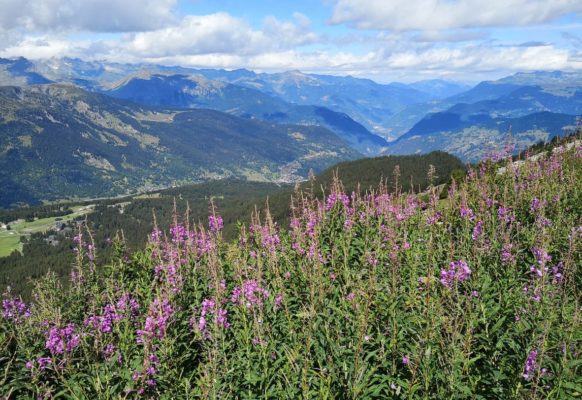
(385, 40)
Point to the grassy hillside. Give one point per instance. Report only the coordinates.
(383, 295)
(236, 201)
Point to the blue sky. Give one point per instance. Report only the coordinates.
(386, 40)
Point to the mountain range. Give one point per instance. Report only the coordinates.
(79, 128)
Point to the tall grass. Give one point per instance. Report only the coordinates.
(378, 296)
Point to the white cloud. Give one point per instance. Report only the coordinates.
(42, 16)
(220, 33)
(448, 14)
(42, 47)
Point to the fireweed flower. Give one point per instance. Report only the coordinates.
(62, 340)
(15, 310)
(505, 215)
(536, 205)
(43, 362)
(458, 271)
(251, 294)
(431, 220)
(506, 255)
(215, 223)
(278, 300)
(467, 213)
(530, 365)
(477, 230)
(159, 315)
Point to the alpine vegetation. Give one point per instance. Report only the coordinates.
(469, 294)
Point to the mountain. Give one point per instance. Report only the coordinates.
(439, 88)
(513, 96)
(59, 141)
(472, 137)
(364, 100)
(367, 102)
(197, 91)
(19, 72)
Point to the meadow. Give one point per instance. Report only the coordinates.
(387, 294)
(10, 239)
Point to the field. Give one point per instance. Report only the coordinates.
(362, 296)
(10, 239)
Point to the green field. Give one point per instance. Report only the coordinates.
(10, 239)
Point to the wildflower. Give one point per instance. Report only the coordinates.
(15, 310)
(405, 360)
(506, 215)
(477, 230)
(506, 256)
(434, 218)
(207, 305)
(29, 364)
(62, 340)
(43, 362)
(109, 350)
(467, 213)
(215, 223)
(159, 314)
(251, 292)
(278, 300)
(221, 319)
(458, 271)
(530, 365)
(536, 205)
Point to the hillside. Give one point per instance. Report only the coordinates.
(236, 201)
(383, 295)
(59, 141)
(473, 137)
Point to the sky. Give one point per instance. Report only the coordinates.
(385, 40)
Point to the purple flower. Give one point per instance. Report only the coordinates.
(251, 294)
(215, 223)
(221, 319)
(202, 324)
(62, 340)
(15, 310)
(506, 215)
(159, 315)
(458, 271)
(536, 205)
(477, 230)
(29, 364)
(506, 256)
(278, 300)
(467, 213)
(43, 362)
(207, 306)
(530, 365)
(109, 350)
(405, 360)
(431, 220)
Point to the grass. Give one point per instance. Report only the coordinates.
(10, 239)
